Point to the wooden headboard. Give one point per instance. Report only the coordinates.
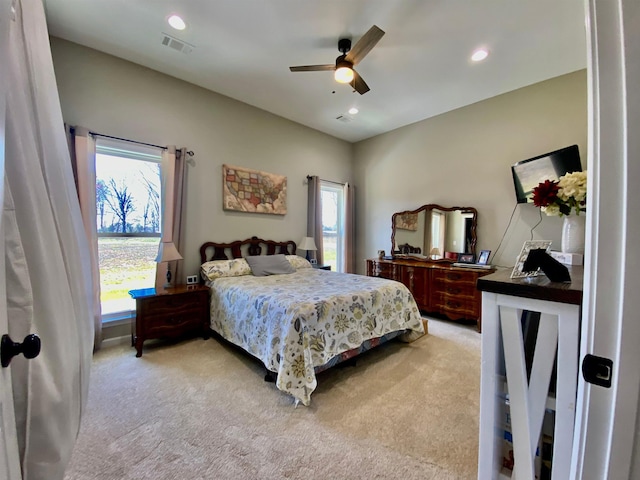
(254, 246)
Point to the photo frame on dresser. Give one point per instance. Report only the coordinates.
(466, 258)
(518, 269)
(483, 257)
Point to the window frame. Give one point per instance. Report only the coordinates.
(340, 219)
(136, 152)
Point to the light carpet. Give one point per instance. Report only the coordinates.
(201, 410)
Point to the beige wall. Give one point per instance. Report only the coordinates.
(463, 158)
(460, 158)
(116, 97)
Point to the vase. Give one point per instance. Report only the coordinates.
(573, 229)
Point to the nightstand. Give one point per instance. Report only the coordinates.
(322, 267)
(169, 313)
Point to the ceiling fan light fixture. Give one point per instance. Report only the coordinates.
(344, 75)
(344, 70)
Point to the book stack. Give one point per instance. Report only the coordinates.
(543, 460)
(546, 442)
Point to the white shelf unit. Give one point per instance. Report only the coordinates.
(558, 338)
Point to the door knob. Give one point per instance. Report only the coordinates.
(30, 348)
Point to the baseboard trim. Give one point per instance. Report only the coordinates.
(115, 341)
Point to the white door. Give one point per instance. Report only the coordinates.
(9, 459)
(606, 417)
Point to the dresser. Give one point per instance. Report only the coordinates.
(438, 287)
(169, 313)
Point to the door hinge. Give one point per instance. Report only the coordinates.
(597, 370)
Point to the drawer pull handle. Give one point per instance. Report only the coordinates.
(453, 276)
(453, 290)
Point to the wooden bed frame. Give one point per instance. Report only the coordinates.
(210, 251)
(252, 246)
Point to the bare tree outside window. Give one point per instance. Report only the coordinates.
(101, 199)
(120, 202)
(151, 215)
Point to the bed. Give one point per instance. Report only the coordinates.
(298, 320)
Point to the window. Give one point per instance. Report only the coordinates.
(333, 224)
(128, 207)
(437, 230)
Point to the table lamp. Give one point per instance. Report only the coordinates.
(435, 253)
(167, 252)
(307, 244)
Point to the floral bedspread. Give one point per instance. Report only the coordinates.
(299, 321)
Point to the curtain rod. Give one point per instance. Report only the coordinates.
(328, 181)
(96, 134)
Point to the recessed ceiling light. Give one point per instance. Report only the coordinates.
(479, 55)
(353, 110)
(176, 22)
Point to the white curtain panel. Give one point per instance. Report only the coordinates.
(179, 206)
(47, 255)
(167, 189)
(84, 153)
(314, 216)
(349, 227)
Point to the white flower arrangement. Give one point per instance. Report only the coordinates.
(566, 196)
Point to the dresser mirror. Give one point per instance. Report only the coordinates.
(434, 232)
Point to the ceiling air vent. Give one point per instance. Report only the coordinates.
(178, 45)
(344, 118)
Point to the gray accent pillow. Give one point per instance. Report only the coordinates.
(263, 265)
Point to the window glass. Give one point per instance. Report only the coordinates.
(128, 219)
(333, 225)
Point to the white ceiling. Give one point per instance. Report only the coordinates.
(420, 68)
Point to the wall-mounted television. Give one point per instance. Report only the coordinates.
(527, 174)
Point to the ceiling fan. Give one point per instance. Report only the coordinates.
(344, 72)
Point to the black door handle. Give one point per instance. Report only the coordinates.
(30, 348)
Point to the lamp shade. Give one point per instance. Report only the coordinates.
(167, 252)
(307, 243)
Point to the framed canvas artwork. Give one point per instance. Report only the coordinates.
(407, 221)
(246, 190)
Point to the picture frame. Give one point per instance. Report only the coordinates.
(253, 191)
(518, 271)
(483, 257)
(466, 258)
(407, 221)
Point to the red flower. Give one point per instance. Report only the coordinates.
(545, 193)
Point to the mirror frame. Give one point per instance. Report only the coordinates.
(429, 207)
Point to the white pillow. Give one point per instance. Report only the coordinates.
(298, 262)
(225, 268)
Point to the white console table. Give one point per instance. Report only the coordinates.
(503, 301)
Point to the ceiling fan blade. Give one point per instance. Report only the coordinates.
(313, 68)
(358, 84)
(364, 45)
